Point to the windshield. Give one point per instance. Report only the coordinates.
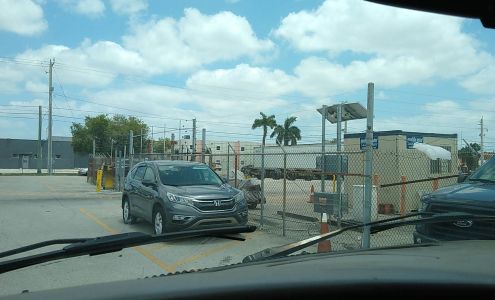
(298, 117)
(188, 175)
(485, 172)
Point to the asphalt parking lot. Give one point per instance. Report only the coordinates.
(35, 209)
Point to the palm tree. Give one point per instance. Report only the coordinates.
(264, 122)
(287, 133)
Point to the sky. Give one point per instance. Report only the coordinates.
(224, 61)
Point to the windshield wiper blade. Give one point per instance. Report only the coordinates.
(375, 227)
(482, 180)
(108, 244)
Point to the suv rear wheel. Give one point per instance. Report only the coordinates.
(126, 212)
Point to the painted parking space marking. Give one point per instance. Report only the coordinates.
(164, 266)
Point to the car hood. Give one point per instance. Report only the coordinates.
(206, 192)
(466, 193)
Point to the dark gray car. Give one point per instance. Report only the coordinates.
(177, 195)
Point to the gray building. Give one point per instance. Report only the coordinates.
(20, 153)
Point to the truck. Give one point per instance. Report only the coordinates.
(303, 162)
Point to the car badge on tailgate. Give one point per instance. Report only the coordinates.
(217, 202)
(463, 223)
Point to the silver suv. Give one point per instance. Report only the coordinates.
(177, 195)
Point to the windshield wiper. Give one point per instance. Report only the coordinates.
(107, 244)
(482, 180)
(375, 227)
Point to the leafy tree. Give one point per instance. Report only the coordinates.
(287, 133)
(107, 132)
(469, 157)
(264, 122)
(158, 145)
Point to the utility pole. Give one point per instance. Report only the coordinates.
(323, 119)
(172, 146)
(164, 131)
(482, 150)
(339, 162)
(131, 149)
(180, 138)
(193, 155)
(152, 139)
(39, 160)
(94, 147)
(203, 145)
(50, 124)
(368, 167)
(141, 148)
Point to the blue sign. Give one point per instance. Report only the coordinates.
(362, 143)
(411, 139)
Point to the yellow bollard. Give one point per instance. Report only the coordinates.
(99, 175)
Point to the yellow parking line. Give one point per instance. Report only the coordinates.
(211, 251)
(140, 250)
(100, 223)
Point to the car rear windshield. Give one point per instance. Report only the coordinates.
(188, 175)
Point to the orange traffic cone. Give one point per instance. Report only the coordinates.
(324, 246)
(312, 194)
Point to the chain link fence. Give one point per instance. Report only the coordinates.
(400, 180)
(293, 182)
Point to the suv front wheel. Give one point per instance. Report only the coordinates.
(159, 221)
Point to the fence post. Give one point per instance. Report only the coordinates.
(228, 162)
(123, 167)
(284, 194)
(235, 169)
(435, 184)
(403, 195)
(262, 183)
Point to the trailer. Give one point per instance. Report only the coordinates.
(303, 162)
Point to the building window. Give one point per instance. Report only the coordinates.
(15, 155)
(242, 148)
(58, 156)
(218, 147)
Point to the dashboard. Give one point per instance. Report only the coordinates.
(459, 268)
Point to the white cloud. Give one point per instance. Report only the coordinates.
(194, 40)
(319, 77)
(482, 82)
(90, 8)
(36, 87)
(90, 64)
(404, 46)
(152, 49)
(243, 81)
(128, 7)
(23, 17)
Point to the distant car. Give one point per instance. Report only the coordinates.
(178, 195)
(475, 195)
(82, 172)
